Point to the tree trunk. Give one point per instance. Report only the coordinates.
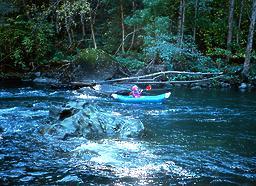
(55, 4)
(57, 24)
(24, 5)
(92, 22)
(68, 31)
(92, 30)
(122, 23)
(83, 25)
(195, 19)
(181, 21)
(230, 25)
(72, 35)
(134, 29)
(245, 71)
(133, 38)
(239, 22)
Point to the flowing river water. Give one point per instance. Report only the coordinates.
(203, 137)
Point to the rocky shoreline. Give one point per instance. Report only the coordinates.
(220, 85)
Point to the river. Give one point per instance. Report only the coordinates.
(197, 137)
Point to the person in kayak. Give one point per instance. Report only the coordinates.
(136, 92)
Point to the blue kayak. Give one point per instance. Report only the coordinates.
(143, 99)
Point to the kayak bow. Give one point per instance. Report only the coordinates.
(142, 99)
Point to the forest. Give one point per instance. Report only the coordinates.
(127, 92)
(184, 35)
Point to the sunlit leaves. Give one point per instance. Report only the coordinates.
(70, 9)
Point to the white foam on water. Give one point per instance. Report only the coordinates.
(8, 110)
(107, 152)
(129, 159)
(84, 96)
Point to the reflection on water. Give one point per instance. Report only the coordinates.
(197, 137)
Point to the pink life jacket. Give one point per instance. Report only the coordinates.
(136, 93)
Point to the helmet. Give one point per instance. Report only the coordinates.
(135, 88)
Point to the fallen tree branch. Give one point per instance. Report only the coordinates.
(157, 77)
(157, 74)
(150, 82)
(83, 84)
(176, 82)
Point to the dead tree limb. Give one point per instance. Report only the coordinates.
(147, 80)
(83, 84)
(157, 74)
(175, 82)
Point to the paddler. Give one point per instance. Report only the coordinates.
(136, 92)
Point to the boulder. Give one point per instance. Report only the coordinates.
(196, 88)
(66, 113)
(45, 80)
(243, 86)
(91, 123)
(225, 85)
(37, 74)
(54, 112)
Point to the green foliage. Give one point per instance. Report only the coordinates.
(69, 9)
(159, 42)
(90, 55)
(25, 42)
(232, 69)
(35, 33)
(7, 8)
(60, 57)
(252, 71)
(93, 58)
(219, 52)
(133, 64)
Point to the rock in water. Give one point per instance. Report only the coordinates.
(243, 86)
(91, 122)
(70, 179)
(45, 80)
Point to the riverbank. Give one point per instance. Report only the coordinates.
(91, 66)
(57, 81)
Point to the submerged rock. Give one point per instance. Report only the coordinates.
(92, 122)
(66, 113)
(70, 178)
(27, 179)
